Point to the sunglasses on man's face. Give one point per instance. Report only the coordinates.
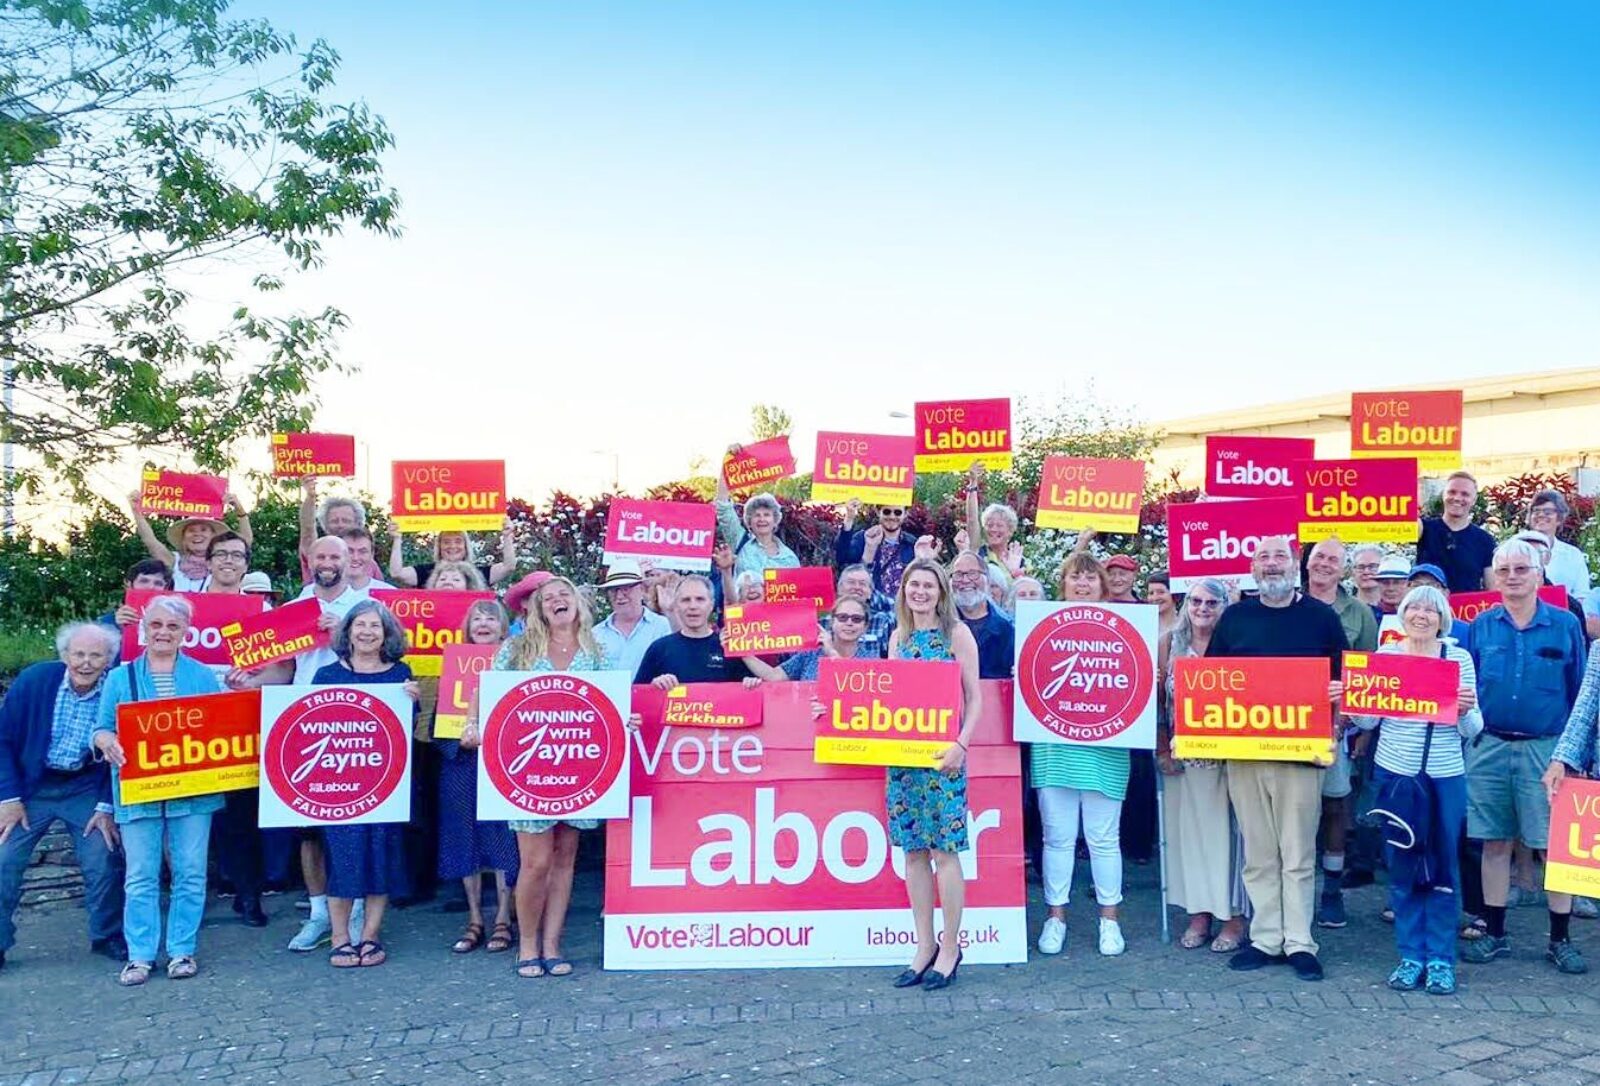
(852, 619)
(891, 512)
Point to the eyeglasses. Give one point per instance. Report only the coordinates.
(1514, 571)
(1366, 567)
(1544, 512)
(1204, 605)
(231, 555)
(968, 576)
(853, 619)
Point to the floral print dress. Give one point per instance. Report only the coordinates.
(927, 808)
(583, 661)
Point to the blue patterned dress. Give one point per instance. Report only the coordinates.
(582, 661)
(927, 808)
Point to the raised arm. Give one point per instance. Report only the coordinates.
(308, 514)
(141, 524)
(974, 490)
(500, 570)
(399, 572)
(244, 530)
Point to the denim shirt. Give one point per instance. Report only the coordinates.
(1528, 679)
(1576, 747)
(190, 677)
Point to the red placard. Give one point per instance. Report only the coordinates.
(758, 465)
(296, 456)
(555, 745)
(887, 712)
(701, 705)
(743, 852)
(1467, 606)
(673, 535)
(1078, 492)
(203, 641)
(449, 495)
(279, 634)
(335, 755)
(1572, 864)
(431, 619)
(877, 468)
(175, 494)
(1400, 686)
(951, 434)
(760, 629)
(458, 682)
(1255, 467)
(1218, 539)
(1266, 708)
(188, 746)
(1423, 425)
(813, 583)
(1360, 501)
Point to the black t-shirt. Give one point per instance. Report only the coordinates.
(691, 659)
(1463, 555)
(1306, 627)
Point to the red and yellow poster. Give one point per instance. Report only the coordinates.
(951, 434)
(877, 468)
(458, 682)
(175, 494)
(1267, 708)
(673, 535)
(1424, 425)
(1360, 501)
(760, 629)
(449, 495)
(758, 465)
(1219, 538)
(1572, 864)
(1400, 686)
(700, 705)
(335, 755)
(188, 746)
(431, 620)
(296, 456)
(213, 612)
(1255, 467)
(1076, 493)
(275, 635)
(1467, 606)
(887, 712)
(813, 583)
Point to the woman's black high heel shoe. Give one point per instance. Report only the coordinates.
(910, 978)
(937, 980)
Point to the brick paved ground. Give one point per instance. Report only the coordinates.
(258, 1014)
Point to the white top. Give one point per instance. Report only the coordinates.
(182, 582)
(307, 663)
(624, 652)
(1569, 567)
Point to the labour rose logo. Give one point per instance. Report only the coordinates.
(1085, 673)
(336, 754)
(554, 745)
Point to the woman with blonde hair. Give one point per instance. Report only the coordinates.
(450, 548)
(558, 636)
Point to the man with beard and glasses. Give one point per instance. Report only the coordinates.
(1279, 804)
(996, 636)
(1452, 542)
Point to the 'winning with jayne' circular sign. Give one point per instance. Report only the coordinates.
(335, 754)
(555, 745)
(1085, 674)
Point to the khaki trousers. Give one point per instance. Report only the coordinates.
(1279, 807)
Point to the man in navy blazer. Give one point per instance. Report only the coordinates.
(48, 771)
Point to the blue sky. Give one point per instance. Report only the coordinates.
(627, 222)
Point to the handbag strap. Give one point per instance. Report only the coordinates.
(133, 682)
(1427, 736)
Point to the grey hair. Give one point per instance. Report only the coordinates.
(702, 578)
(1518, 548)
(998, 577)
(763, 501)
(1425, 595)
(1183, 632)
(346, 503)
(1364, 548)
(108, 637)
(1007, 514)
(394, 636)
(745, 578)
(1011, 596)
(1552, 497)
(176, 606)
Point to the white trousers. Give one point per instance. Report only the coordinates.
(1059, 809)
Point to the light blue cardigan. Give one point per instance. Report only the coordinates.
(189, 677)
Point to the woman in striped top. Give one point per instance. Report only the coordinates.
(1426, 899)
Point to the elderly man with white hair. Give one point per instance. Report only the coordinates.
(1279, 804)
(48, 773)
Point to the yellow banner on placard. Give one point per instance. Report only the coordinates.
(871, 495)
(1253, 748)
(1572, 879)
(194, 782)
(1365, 531)
(449, 725)
(851, 750)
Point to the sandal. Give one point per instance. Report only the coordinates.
(182, 968)
(1226, 944)
(134, 974)
(530, 968)
(1194, 938)
(471, 939)
(500, 941)
(344, 956)
(557, 967)
(371, 952)
(1473, 929)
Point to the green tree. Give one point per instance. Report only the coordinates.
(769, 420)
(143, 143)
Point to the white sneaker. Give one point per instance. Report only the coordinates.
(313, 933)
(1053, 937)
(1111, 941)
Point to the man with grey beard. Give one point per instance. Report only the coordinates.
(996, 636)
(1279, 804)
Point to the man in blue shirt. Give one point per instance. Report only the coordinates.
(996, 636)
(631, 627)
(1530, 659)
(48, 773)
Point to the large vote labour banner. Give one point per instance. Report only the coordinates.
(742, 852)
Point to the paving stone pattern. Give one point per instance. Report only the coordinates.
(259, 1014)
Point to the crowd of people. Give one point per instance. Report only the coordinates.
(1244, 840)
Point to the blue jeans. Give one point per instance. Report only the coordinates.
(186, 838)
(71, 800)
(1426, 921)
